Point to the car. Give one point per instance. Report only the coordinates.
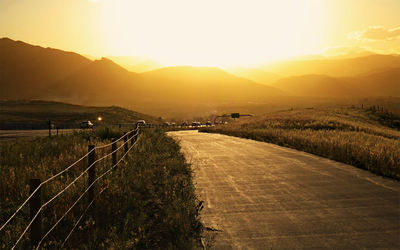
(208, 123)
(166, 124)
(196, 124)
(86, 124)
(184, 124)
(141, 123)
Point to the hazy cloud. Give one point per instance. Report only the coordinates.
(376, 33)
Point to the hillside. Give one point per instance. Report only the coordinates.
(135, 63)
(26, 71)
(255, 74)
(346, 67)
(78, 80)
(203, 84)
(383, 83)
(316, 85)
(366, 137)
(33, 72)
(35, 114)
(102, 82)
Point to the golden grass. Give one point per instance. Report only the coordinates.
(149, 201)
(359, 137)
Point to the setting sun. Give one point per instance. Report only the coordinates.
(205, 33)
(214, 33)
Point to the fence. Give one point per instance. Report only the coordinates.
(129, 139)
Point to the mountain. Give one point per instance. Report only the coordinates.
(27, 71)
(383, 83)
(335, 67)
(135, 63)
(102, 82)
(33, 72)
(315, 85)
(255, 74)
(204, 84)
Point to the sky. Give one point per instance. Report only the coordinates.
(205, 32)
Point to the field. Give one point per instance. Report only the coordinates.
(148, 200)
(35, 115)
(367, 137)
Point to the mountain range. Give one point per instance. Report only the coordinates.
(34, 72)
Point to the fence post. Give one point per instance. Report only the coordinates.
(92, 172)
(49, 122)
(126, 143)
(130, 136)
(136, 136)
(34, 205)
(114, 154)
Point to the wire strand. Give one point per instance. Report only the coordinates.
(80, 197)
(80, 218)
(69, 185)
(60, 173)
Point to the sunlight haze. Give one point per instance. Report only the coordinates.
(204, 33)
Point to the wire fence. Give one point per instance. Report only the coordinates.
(129, 139)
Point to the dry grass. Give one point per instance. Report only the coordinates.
(149, 201)
(365, 138)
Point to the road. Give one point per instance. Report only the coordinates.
(262, 196)
(13, 134)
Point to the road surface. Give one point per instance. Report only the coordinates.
(262, 196)
(13, 134)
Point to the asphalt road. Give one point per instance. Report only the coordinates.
(13, 134)
(262, 196)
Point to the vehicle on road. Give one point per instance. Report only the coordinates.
(184, 124)
(208, 123)
(141, 123)
(86, 124)
(196, 124)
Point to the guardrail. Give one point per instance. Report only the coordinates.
(129, 140)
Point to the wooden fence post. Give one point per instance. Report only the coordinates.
(34, 205)
(49, 122)
(126, 143)
(130, 137)
(92, 172)
(114, 154)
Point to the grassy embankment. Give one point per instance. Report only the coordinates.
(35, 115)
(149, 200)
(365, 138)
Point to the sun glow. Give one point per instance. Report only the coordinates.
(213, 33)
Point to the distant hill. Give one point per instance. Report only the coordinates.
(383, 83)
(27, 71)
(33, 72)
(203, 84)
(136, 64)
(102, 82)
(35, 114)
(335, 67)
(255, 74)
(76, 79)
(315, 85)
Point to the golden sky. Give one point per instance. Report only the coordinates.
(205, 32)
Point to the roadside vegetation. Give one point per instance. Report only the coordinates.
(148, 201)
(367, 138)
(35, 114)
